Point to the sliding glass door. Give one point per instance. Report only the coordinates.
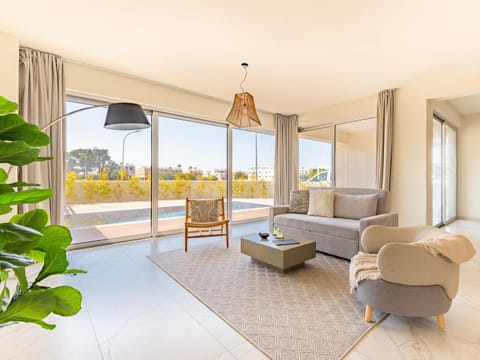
(107, 178)
(192, 162)
(444, 173)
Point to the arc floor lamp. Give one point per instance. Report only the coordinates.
(120, 116)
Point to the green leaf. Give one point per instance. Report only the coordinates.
(4, 298)
(3, 176)
(22, 184)
(7, 106)
(54, 237)
(13, 261)
(55, 263)
(31, 196)
(36, 219)
(69, 300)
(22, 279)
(3, 275)
(17, 153)
(33, 306)
(14, 232)
(37, 255)
(5, 209)
(13, 127)
(6, 188)
(45, 325)
(74, 271)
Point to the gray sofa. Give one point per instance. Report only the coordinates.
(337, 236)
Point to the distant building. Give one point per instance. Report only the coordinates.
(130, 169)
(263, 173)
(220, 174)
(143, 172)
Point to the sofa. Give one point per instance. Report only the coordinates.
(338, 235)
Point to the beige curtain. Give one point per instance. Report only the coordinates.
(385, 104)
(286, 157)
(42, 99)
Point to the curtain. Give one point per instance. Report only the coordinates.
(41, 100)
(385, 103)
(286, 157)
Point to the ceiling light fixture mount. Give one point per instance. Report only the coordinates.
(243, 112)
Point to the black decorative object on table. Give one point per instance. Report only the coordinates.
(264, 235)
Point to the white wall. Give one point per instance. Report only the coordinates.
(355, 160)
(90, 81)
(9, 67)
(468, 136)
(412, 143)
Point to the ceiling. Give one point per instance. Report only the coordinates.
(468, 105)
(303, 54)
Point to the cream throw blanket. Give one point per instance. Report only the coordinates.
(363, 266)
(455, 247)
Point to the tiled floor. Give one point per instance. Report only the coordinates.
(133, 310)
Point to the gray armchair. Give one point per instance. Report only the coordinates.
(412, 281)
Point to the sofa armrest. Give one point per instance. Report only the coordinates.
(387, 219)
(408, 264)
(276, 210)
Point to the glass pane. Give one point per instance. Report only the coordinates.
(253, 170)
(192, 163)
(355, 157)
(437, 173)
(450, 173)
(315, 158)
(105, 198)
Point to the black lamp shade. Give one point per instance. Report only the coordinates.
(126, 116)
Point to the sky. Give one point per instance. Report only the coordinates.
(183, 142)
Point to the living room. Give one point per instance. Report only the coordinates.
(335, 81)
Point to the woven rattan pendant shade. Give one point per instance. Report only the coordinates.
(243, 113)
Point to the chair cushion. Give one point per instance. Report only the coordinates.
(299, 200)
(204, 210)
(321, 202)
(355, 206)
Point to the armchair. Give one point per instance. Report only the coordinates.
(410, 281)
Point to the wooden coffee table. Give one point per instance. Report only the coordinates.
(283, 258)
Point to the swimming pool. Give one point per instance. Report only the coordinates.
(133, 215)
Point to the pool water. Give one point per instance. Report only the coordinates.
(125, 216)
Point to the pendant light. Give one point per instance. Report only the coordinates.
(243, 112)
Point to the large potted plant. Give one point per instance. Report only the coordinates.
(27, 239)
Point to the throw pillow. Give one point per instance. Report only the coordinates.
(298, 201)
(355, 206)
(321, 202)
(204, 211)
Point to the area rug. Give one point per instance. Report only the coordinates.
(307, 313)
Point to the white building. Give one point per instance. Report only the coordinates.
(263, 173)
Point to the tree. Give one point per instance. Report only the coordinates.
(87, 159)
(240, 175)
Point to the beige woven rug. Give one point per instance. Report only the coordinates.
(304, 314)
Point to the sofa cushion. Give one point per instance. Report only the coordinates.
(321, 202)
(299, 201)
(355, 206)
(342, 228)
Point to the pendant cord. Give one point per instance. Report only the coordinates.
(245, 66)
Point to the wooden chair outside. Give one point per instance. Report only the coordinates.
(205, 218)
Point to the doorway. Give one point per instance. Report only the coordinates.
(444, 172)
